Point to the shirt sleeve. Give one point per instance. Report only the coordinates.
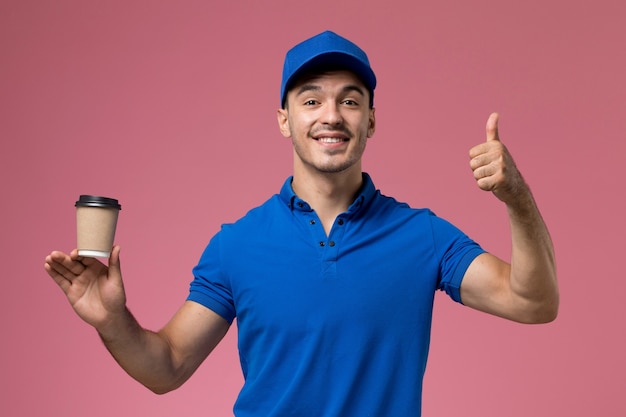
(455, 251)
(211, 286)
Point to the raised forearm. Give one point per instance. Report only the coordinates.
(533, 267)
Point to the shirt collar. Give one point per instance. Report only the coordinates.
(365, 195)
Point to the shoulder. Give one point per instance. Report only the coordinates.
(422, 223)
(383, 205)
(256, 219)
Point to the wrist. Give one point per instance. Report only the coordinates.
(118, 325)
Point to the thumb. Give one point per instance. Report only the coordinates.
(114, 262)
(492, 127)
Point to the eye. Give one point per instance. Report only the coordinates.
(350, 102)
(310, 102)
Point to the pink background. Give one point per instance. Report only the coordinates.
(170, 107)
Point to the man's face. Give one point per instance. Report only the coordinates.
(328, 119)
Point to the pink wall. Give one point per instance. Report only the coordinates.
(169, 106)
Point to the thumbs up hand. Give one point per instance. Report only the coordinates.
(493, 166)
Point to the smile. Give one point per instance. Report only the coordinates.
(331, 140)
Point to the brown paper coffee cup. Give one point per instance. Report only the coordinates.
(96, 220)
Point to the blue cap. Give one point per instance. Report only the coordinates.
(326, 49)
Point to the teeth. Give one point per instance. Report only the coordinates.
(330, 140)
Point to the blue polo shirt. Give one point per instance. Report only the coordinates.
(335, 325)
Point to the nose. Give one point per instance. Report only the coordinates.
(331, 115)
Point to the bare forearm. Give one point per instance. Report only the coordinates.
(144, 355)
(533, 268)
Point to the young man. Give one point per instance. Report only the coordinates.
(331, 282)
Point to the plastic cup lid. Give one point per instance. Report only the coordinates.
(97, 201)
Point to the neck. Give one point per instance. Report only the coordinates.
(329, 194)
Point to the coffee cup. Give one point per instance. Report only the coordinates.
(96, 221)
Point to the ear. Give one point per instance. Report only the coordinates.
(372, 123)
(282, 116)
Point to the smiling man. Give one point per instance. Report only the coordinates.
(328, 118)
(331, 282)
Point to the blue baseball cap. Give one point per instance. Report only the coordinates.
(326, 49)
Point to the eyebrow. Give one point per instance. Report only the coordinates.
(313, 87)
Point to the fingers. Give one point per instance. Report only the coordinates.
(65, 269)
(62, 269)
(489, 167)
(66, 264)
(487, 159)
(492, 127)
(58, 277)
